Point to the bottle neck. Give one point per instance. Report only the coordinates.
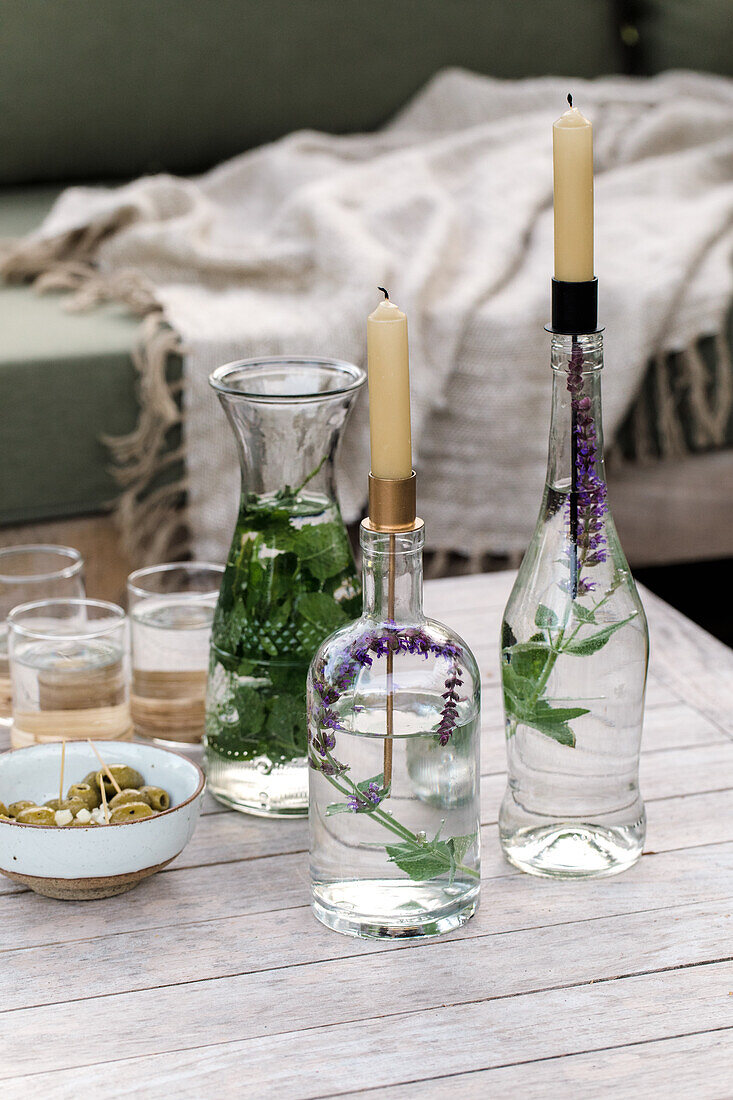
(392, 571)
(575, 457)
(285, 445)
(287, 415)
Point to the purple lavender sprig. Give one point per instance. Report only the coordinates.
(420, 858)
(588, 534)
(372, 796)
(390, 638)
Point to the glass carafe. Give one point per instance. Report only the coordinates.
(394, 820)
(289, 579)
(574, 651)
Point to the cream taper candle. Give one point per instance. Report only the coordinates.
(389, 392)
(572, 157)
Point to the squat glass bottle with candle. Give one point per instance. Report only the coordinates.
(574, 650)
(394, 820)
(393, 711)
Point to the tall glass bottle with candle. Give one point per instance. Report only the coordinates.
(393, 713)
(290, 577)
(574, 639)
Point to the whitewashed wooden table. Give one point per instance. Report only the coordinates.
(212, 979)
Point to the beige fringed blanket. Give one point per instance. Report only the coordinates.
(450, 206)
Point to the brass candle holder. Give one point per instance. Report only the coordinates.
(392, 509)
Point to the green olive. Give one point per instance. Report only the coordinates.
(36, 815)
(129, 795)
(3, 810)
(89, 795)
(80, 824)
(91, 780)
(74, 804)
(15, 807)
(53, 804)
(158, 798)
(127, 779)
(130, 811)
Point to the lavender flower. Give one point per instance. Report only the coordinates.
(324, 719)
(591, 489)
(329, 767)
(371, 797)
(449, 714)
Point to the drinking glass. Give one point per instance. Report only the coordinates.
(69, 668)
(32, 573)
(171, 611)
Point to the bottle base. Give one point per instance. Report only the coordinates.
(258, 788)
(574, 850)
(386, 909)
(256, 809)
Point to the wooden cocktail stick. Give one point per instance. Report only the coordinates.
(111, 778)
(104, 802)
(61, 777)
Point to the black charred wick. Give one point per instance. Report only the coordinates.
(384, 292)
(570, 99)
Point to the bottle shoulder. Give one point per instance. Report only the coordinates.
(604, 580)
(360, 646)
(466, 657)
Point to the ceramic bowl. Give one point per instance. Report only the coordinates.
(90, 862)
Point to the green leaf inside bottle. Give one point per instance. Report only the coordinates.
(289, 582)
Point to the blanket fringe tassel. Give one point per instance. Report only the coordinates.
(147, 465)
(685, 390)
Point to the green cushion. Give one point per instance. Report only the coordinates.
(65, 378)
(684, 34)
(115, 88)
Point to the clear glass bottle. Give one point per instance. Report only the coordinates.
(290, 577)
(394, 822)
(574, 653)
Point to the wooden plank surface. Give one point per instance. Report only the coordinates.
(696, 1064)
(213, 977)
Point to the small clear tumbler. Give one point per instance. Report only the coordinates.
(32, 573)
(69, 669)
(171, 611)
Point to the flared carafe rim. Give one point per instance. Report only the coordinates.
(235, 379)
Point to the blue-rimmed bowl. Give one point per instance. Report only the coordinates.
(94, 861)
